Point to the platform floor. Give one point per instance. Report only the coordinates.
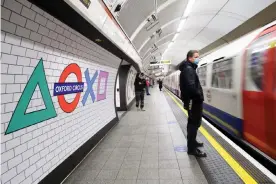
(143, 148)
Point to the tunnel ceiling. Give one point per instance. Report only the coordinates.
(205, 22)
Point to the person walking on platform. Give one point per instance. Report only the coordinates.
(160, 84)
(192, 97)
(147, 86)
(140, 85)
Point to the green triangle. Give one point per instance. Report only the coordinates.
(20, 119)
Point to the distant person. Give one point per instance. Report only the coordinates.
(192, 97)
(140, 85)
(160, 84)
(147, 86)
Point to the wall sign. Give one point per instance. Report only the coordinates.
(20, 119)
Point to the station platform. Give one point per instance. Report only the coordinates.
(149, 147)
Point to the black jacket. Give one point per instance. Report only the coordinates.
(139, 84)
(160, 83)
(189, 83)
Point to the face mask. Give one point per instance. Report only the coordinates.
(196, 61)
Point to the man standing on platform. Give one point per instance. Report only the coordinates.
(192, 97)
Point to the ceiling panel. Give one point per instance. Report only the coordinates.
(246, 8)
(207, 6)
(133, 13)
(188, 34)
(198, 21)
(223, 24)
(208, 36)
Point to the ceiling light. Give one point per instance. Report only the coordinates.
(188, 8)
(170, 44)
(181, 24)
(175, 36)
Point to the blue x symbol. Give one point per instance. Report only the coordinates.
(89, 86)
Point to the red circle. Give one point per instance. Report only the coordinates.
(65, 106)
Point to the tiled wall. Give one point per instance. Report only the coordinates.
(38, 144)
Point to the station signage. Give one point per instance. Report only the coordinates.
(21, 119)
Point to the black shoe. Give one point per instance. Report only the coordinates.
(197, 153)
(199, 144)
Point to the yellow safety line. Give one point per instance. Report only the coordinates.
(232, 129)
(240, 171)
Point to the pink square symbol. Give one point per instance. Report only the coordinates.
(102, 85)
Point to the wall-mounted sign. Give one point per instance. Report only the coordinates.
(162, 62)
(20, 119)
(86, 3)
(166, 62)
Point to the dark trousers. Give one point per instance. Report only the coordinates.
(194, 122)
(147, 90)
(139, 96)
(160, 87)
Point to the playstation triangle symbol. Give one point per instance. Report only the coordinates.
(20, 119)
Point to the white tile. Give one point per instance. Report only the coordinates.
(35, 36)
(12, 39)
(51, 25)
(8, 175)
(32, 25)
(13, 5)
(13, 88)
(31, 53)
(43, 30)
(9, 59)
(15, 161)
(5, 13)
(25, 2)
(23, 61)
(20, 31)
(28, 13)
(18, 178)
(45, 40)
(40, 19)
(39, 47)
(5, 48)
(15, 69)
(18, 19)
(20, 51)
(27, 44)
(7, 79)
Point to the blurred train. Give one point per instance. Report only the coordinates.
(239, 84)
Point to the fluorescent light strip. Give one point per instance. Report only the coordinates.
(181, 24)
(188, 8)
(175, 36)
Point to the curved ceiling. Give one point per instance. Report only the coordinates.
(205, 22)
